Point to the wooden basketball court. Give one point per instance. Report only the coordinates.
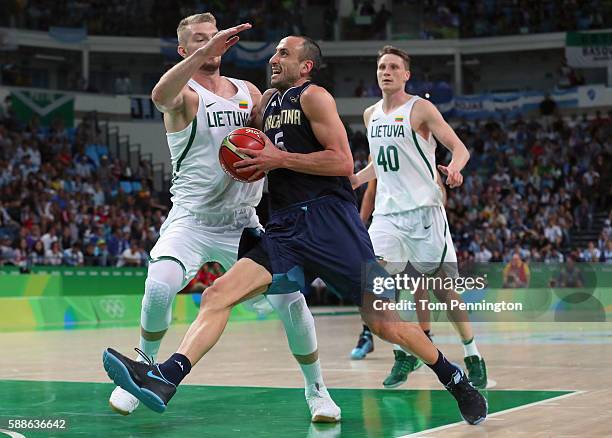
(550, 380)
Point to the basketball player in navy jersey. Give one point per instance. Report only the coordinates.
(314, 228)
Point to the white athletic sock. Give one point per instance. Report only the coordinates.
(470, 348)
(312, 374)
(400, 348)
(150, 348)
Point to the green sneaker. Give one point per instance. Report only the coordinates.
(477, 371)
(404, 365)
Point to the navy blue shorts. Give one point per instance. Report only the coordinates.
(321, 238)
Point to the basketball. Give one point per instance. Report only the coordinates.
(247, 138)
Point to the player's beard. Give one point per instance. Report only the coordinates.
(286, 81)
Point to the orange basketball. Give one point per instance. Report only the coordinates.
(246, 138)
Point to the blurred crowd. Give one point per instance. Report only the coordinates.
(274, 18)
(531, 187)
(65, 201)
(493, 17)
(156, 18)
(471, 19)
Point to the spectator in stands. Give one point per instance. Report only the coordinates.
(207, 274)
(591, 253)
(569, 275)
(73, 255)
(66, 239)
(6, 221)
(7, 250)
(90, 255)
(102, 253)
(37, 255)
(367, 8)
(199, 282)
(50, 237)
(380, 23)
(553, 232)
(54, 256)
(516, 273)
(330, 17)
(583, 215)
(20, 255)
(554, 256)
(484, 255)
(548, 108)
(602, 239)
(607, 253)
(131, 256)
(150, 240)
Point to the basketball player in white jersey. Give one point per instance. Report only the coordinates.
(409, 223)
(210, 210)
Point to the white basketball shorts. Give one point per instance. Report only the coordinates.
(192, 240)
(419, 236)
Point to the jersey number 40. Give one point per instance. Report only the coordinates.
(388, 158)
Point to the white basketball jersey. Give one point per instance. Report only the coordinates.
(405, 162)
(199, 184)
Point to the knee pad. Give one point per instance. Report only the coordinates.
(164, 281)
(301, 318)
(156, 306)
(298, 321)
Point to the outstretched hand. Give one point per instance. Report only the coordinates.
(453, 176)
(223, 40)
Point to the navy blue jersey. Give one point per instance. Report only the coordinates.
(287, 126)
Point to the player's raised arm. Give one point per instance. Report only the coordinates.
(429, 115)
(168, 94)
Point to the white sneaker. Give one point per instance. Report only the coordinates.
(122, 401)
(322, 407)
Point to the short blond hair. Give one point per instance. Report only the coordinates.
(206, 17)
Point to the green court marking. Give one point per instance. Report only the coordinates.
(229, 411)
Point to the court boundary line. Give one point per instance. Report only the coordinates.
(505, 411)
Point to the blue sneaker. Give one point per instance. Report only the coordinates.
(472, 404)
(365, 345)
(143, 380)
